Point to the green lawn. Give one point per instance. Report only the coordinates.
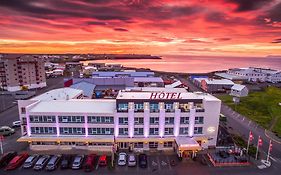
(262, 107)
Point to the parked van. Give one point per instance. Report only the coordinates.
(6, 130)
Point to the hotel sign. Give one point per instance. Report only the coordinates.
(165, 95)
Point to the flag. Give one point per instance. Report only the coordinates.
(260, 141)
(251, 137)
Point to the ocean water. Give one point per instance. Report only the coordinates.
(197, 64)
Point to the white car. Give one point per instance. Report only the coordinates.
(16, 124)
(122, 159)
(132, 160)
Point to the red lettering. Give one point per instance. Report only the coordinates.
(173, 96)
(161, 95)
(178, 97)
(153, 95)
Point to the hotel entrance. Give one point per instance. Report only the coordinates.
(123, 145)
(187, 147)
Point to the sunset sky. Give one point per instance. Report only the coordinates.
(190, 27)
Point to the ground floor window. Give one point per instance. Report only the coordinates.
(138, 145)
(168, 144)
(153, 144)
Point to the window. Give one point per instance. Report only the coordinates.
(138, 131)
(184, 130)
(123, 120)
(184, 120)
(153, 131)
(154, 107)
(153, 144)
(23, 111)
(169, 131)
(122, 107)
(169, 120)
(168, 144)
(123, 131)
(184, 107)
(138, 120)
(43, 130)
(72, 131)
(169, 107)
(198, 130)
(154, 120)
(199, 120)
(71, 119)
(100, 131)
(138, 145)
(138, 107)
(100, 119)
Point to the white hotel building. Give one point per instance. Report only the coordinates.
(159, 119)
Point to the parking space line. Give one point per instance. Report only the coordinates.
(158, 160)
(168, 162)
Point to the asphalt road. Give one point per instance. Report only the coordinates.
(10, 115)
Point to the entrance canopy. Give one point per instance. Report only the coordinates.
(187, 144)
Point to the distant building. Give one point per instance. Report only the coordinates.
(73, 69)
(252, 74)
(148, 82)
(238, 90)
(19, 72)
(213, 85)
(123, 74)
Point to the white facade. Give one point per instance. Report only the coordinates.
(238, 90)
(257, 74)
(134, 121)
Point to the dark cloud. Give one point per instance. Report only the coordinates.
(121, 29)
(249, 5)
(278, 40)
(222, 39)
(193, 40)
(222, 18)
(275, 13)
(98, 23)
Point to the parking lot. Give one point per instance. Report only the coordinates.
(157, 164)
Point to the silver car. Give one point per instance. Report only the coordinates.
(41, 163)
(53, 163)
(30, 161)
(132, 160)
(77, 162)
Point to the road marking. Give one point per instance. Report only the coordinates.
(273, 159)
(249, 123)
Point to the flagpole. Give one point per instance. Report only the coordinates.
(258, 148)
(268, 153)
(248, 142)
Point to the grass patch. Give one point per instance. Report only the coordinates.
(261, 107)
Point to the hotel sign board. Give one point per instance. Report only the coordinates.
(165, 95)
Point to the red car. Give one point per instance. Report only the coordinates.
(17, 161)
(102, 160)
(89, 163)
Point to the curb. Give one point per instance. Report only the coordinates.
(267, 135)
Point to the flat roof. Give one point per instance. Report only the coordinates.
(59, 94)
(147, 95)
(148, 79)
(86, 87)
(156, 89)
(238, 87)
(230, 76)
(104, 106)
(216, 81)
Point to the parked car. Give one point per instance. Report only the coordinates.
(16, 124)
(6, 158)
(17, 161)
(122, 159)
(41, 163)
(89, 163)
(77, 162)
(143, 160)
(6, 131)
(132, 160)
(65, 161)
(102, 160)
(30, 161)
(53, 163)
